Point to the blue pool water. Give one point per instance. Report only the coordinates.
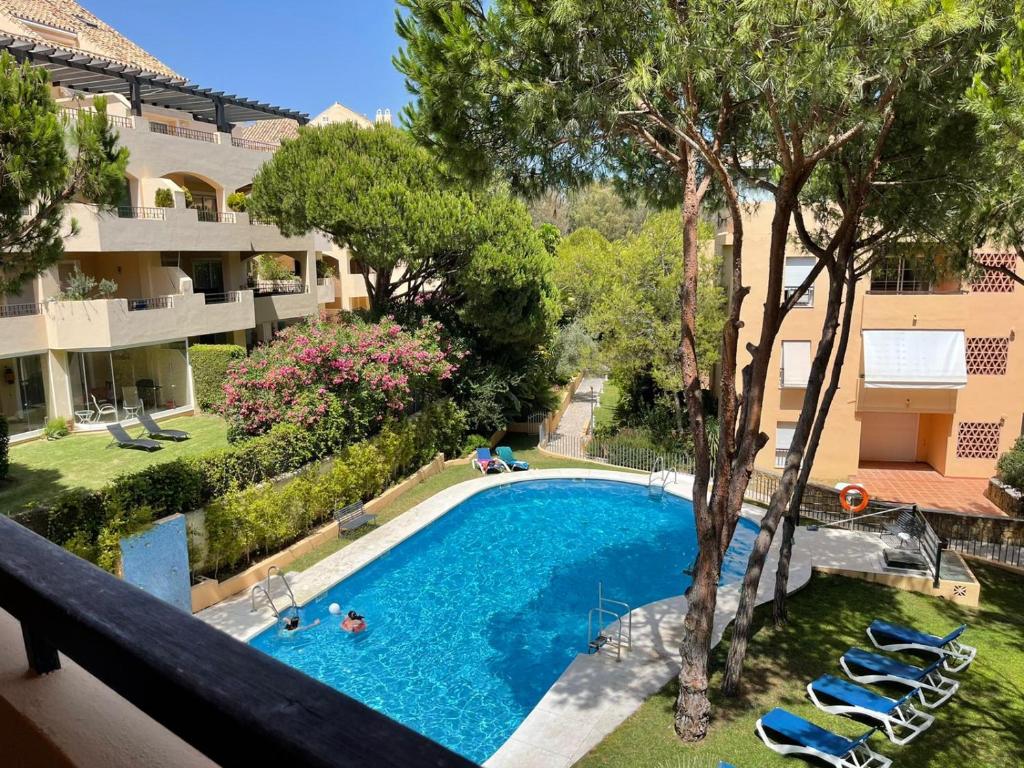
(472, 619)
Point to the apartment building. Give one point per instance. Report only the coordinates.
(186, 273)
(934, 373)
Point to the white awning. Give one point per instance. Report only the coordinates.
(796, 364)
(915, 360)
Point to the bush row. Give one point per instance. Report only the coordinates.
(90, 522)
(210, 370)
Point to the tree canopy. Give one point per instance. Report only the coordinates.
(47, 161)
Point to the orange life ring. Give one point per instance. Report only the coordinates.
(845, 502)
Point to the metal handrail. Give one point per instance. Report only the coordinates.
(259, 146)
(590, 629)
(252, 600)
(184, 133)
(156, 302)
(141, 212)
(287, 586)
(119, 120)
(228, 297)
(219, 217)
(658, 465)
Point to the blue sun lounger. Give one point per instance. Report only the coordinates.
(506, 455)
(792, 735)
(900, 719)
(488, 464)
(894, 637)
(866, 667)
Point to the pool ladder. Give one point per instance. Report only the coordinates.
(265, 589)
(659, 477)
(617, 634)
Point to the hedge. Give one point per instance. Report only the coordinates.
(5, 448)
(210, 370)
(85, 521)
(1010, 467)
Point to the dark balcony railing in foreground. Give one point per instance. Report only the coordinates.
(230, 297)
(277, 287)
(20, 310)
(155, 302)
(259, 146)
(183, 133)
(231, 702)
(219, 217)
(141, 212)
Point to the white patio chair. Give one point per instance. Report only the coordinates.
(102, 409)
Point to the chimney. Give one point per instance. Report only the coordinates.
(383, 117)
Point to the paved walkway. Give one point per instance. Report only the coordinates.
(575, 421)
(919, 484)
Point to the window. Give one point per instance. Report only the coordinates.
(23, 393)
(796, 364)
(784, 431)
(899, 274)
(796, 271)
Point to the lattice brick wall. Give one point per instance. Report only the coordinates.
(987, 355)
(995, 282)
(978, 440)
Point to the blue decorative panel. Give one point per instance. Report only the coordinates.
(157, 561)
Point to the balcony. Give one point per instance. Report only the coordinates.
(107, 323)
(139, 212)
(326, 290)
(23, 329)
(210, 137)
(99, 672)
(282, 300)
(258, 146)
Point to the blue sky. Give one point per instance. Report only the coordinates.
(301, 54)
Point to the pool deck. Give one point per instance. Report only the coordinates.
(595, 694)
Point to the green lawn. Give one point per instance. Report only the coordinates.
(43, 468)
(605, 412)
(525, 450)
(983, 725)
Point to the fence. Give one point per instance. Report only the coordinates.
(612, 452)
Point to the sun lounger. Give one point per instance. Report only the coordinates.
(124, 440)
(155, 430)
(866, 667)
(792, 735)
(900, 719)
(895, 637)
(506, 455)
(488, 464)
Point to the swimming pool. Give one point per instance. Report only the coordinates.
(474, 617)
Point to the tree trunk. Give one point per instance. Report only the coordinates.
(780, 499)
(779, 610)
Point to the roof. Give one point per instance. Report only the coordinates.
(93, 34)
(274, 131)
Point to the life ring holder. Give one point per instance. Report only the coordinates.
(845, 502)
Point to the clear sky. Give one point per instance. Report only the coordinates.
(300, 54)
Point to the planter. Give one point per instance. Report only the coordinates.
(1006, 497)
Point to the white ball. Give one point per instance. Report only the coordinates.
(334, 608)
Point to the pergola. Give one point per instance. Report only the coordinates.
(84, 72)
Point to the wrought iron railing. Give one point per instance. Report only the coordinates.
(155, 302)
(233, 703)
(229, 297)
(119, 120)
(259, 146)
(141, 212)
(611, 451)
(218, 217)
(184, 133)
(20, 310)
(259, 222)
(277, 287)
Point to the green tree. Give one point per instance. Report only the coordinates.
(46, 161)
(584, 262)
(598, 206)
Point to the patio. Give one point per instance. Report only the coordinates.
(919, 483)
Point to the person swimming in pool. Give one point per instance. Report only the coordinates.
(353, 623)
(291, 624)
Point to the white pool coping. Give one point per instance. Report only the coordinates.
(595, 694)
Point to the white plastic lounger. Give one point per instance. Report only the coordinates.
(895, 637)
(792, 735)
(901, 720)
(875, 668)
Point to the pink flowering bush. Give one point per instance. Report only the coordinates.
(340, 377)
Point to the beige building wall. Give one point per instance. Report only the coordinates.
(986, 398)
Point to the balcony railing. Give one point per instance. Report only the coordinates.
(259, 221)
(141, 212)
(119, 120)
(277, 287)
(155, 302)
(184, 133)
(780, 457)
(231, 702)
(259, 146)
(219, 217)
(20, 310)
(230, 297)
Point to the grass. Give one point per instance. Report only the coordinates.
(983, 725)
(43, 468)
(605, 413)
(525, 448)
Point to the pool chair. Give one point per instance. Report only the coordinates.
(506, 455)
(894, 637)
(900, 719)
(487, 464)
(155, 430)
(792, 735)
(124, 440)
(867, 667)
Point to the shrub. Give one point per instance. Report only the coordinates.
(573, 350)
(1011, 465)
(56, 428)
(269, 268)
(356, 373)
(237, 201)
(80, 287)
(164, 198)
(210, 364)
(473, 442)
(5, 448)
